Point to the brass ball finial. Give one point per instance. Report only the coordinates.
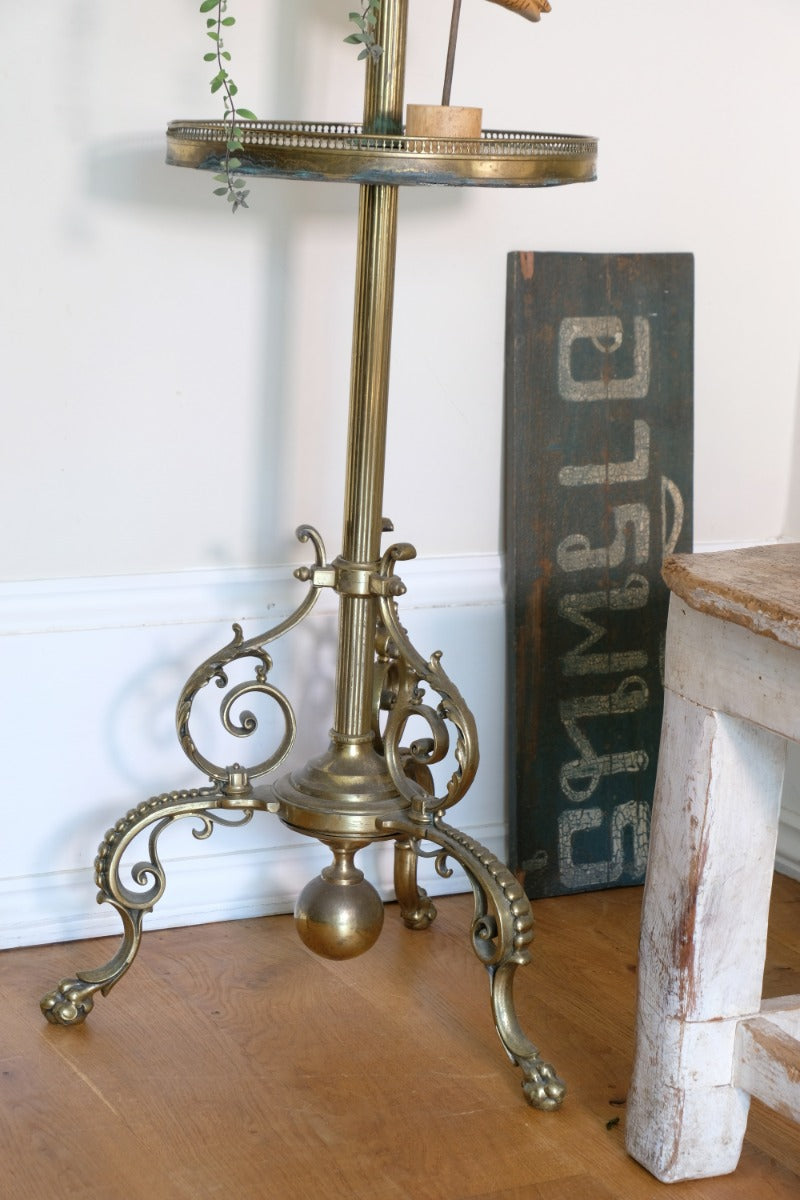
(339, 914)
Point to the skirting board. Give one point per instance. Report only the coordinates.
(59, 907)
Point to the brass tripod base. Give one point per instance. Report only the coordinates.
(368, 786)
(338, 915)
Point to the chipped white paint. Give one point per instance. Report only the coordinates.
(705, 1042)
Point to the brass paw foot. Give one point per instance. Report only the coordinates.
(422, 914)
(416, 908)
(70, 1003)
(541, 1086)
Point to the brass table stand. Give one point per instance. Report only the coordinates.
(367, 786)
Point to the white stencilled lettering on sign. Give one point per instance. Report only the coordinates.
(670, 535)
(580, 777)
(631, 816)
(575, 552)
(573, 607)
(606, 334)
(635, 469)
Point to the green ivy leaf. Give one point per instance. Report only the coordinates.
(232, 188)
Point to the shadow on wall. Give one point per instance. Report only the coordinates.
(132, 172)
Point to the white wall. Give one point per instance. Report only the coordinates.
(175, 379)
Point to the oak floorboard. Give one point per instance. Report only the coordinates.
(232, 1062)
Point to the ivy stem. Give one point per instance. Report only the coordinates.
(229, 109)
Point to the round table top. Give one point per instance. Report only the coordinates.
(339, 152)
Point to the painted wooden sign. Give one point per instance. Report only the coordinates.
(599, 451)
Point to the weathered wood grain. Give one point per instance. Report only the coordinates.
(705, 1043)
(767, 1065)
(757, 587)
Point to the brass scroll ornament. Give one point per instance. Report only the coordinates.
(235, 780)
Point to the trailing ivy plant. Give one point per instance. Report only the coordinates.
(232, 186)
(366, 22)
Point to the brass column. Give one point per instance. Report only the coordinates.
(342, 796)
(369, 388)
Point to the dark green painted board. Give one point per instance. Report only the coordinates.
(599, 450)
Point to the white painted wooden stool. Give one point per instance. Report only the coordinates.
(705, 1041)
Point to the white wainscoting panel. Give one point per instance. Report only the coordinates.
(93, 670)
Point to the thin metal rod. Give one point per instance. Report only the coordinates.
(451, 52)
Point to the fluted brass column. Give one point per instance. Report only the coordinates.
(369, 386)
(342, 795)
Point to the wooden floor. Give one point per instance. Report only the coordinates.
(231, 1063)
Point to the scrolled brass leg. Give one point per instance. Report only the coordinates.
(502, 930)
(416, 908)
(540, 1083)
(73, 999)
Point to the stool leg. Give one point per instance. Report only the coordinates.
(703, 939)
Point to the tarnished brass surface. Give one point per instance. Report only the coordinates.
(342, 793)
(339, 914)
(344, 153)
(235, 780)
(502, 930)
(73, 999)
(405, 671)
